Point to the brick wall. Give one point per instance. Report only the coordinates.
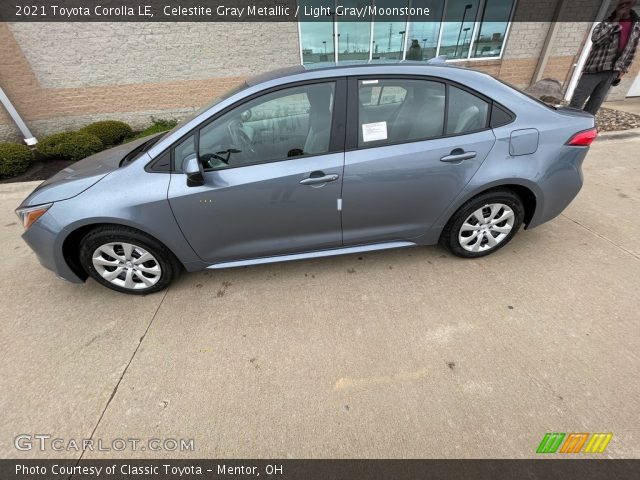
(63, 75)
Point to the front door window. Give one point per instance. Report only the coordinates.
(277, 126)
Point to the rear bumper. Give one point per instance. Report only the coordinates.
(45, 237)
(560, 185)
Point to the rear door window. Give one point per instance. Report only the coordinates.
(466, 112)
(399, 110)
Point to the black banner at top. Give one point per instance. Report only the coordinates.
(300, 10)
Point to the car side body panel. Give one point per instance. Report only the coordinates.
(133, 198)
(260, 210)
(396, 192)
(391, 193)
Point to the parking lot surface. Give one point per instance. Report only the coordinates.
(406, 353)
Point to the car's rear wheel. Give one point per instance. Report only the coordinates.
(484, 224)
(127, 260)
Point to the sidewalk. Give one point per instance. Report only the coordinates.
(409, 353)
(630, 105)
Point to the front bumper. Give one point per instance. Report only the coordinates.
(45, 237)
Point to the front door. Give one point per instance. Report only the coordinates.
(273, 175)
(409, 160)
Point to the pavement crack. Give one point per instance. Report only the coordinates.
(124, 372)
(599, 235)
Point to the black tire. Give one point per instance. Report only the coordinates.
(450, 235)
(169, 266)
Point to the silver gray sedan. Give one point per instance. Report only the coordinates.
(304, 163)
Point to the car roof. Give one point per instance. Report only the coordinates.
(329, 67)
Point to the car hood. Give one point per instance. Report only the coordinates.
(76, 178)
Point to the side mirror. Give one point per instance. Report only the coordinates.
(192, 168)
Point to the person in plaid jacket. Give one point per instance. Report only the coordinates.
(614, 45)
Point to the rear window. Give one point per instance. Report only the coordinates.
(536, 99)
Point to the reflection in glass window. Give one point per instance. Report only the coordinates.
(354, 37)
(276, 126)
(490, 36)
(317, 35)
(466, 112)
(388, 33)
(457, 32)
(423, 33)
(466, 29)
(183, 150)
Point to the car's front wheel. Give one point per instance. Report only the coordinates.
(484, 224)
(127, 260)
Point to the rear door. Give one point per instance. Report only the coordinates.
(413, 143)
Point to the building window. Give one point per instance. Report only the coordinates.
(459, 29)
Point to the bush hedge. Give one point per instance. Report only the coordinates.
(14, 159)
(109, 132)
(70, 145)
(158, 125)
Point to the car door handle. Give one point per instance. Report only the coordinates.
(319, 177)
(458, 155)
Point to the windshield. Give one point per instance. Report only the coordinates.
(228, 93)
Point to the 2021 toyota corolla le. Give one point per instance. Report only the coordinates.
(310, 163)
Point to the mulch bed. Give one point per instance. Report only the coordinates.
(608, 120)
(40, 171)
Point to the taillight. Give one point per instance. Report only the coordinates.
(584, 138)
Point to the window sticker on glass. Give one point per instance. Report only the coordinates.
(369, 82)
(374, 131)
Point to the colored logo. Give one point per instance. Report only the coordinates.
(573, 442)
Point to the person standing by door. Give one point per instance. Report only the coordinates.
(614, 45)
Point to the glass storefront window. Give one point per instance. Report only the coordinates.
(423, 32)
(317, 36)
(458, 29)
(388, 33)
(354, 37)
(491, 34)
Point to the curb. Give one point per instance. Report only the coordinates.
(618, 134)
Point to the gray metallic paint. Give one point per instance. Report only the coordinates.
(81, 175)
(262, 210)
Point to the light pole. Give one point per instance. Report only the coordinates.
(402, 41)
(464, 40)
(324, 44)
(464, 14)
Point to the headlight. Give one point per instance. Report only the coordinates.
(30, 214)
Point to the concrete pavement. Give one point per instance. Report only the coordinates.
(408, 353)
(629, 105)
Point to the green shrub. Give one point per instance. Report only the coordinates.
(109, 132)
(159, 125)
(14, 159)
(70, 145)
